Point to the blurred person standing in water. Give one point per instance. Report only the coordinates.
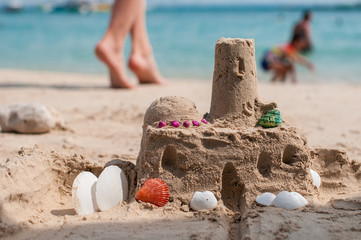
(128, 16)
(303, 27)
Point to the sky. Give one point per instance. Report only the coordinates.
(292, 2)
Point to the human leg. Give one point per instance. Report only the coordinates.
(275, 76)
(292, 72)
(279, 71)
(110, 48)
(141, 60)
(283, 74)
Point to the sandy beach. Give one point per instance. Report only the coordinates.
(103, 124)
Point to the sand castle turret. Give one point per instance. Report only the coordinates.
(231, 156)
(234, 90)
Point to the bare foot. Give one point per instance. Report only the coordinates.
(145, 68)
(111, 55)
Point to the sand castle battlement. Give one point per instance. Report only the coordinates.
(231, 156)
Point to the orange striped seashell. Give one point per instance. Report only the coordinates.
(154, 191)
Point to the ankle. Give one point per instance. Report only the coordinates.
(144, 50)
(112, 41)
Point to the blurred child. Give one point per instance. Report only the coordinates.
(304, 27)
(281, 59)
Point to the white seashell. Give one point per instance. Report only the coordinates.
(203, 200)
(83, 193)
(112, 188)
(266, 198)
(316, 179)
(301, 198)
(286, 200)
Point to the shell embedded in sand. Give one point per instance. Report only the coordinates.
(154, 191)
(316, 179)
(83, 193)
(203, 200)
(265, 198)
(287, 200)
(300, 197)
(271, 119)
(111, 188)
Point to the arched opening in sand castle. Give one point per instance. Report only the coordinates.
(264, 164)
(292, 155)
(233, 189)
(170, 160)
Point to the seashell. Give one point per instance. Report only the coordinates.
(162, 124)
(83, 193)
(154, 191)
(186, 124)
(111, 188)
(301, 198)
(271, 119)
(265, 198)
(274, 112)
(175, 124)
(204, 121)
(29, 118)
(195, 123)
(203, 200)
(316, 179)
(287, 200)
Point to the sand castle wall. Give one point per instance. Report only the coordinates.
(236, 165)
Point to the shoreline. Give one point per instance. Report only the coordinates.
(304, 78)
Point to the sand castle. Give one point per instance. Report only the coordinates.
(231, 156)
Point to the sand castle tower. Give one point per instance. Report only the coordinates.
(231, 155)
(234, 90)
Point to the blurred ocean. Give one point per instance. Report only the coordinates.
(183, 40)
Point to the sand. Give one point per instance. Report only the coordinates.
(103, 124)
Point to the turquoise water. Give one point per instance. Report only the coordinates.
(183, 40)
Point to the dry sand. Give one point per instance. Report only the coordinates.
(36, 171)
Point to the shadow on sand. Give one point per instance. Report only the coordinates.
(54, 86)
(183, 228)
